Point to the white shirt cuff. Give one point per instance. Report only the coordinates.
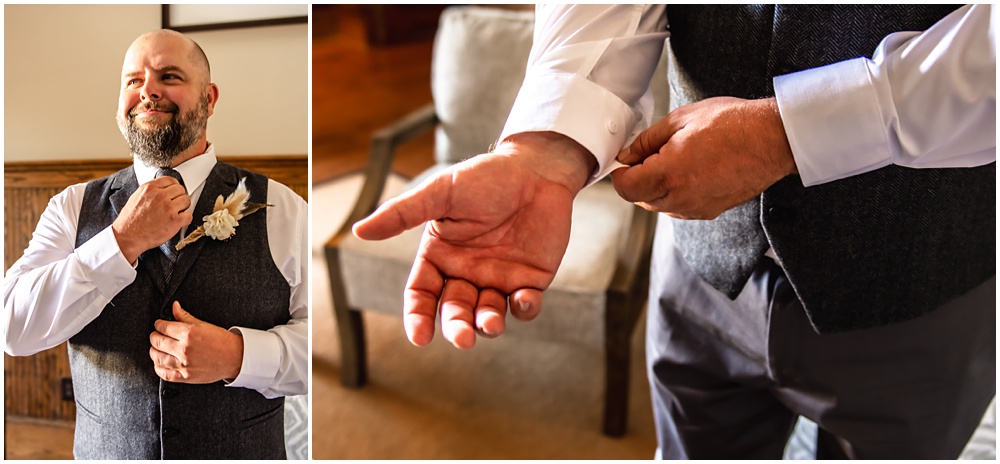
(104, 264)
(261, 359)
(833, 121)
(566, 104)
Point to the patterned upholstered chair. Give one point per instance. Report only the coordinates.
(478, 64)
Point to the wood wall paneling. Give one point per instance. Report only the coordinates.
(32, 384)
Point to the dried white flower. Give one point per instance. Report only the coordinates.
(220, 225)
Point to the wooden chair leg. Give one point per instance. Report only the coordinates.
(617, 361)
(621, 317)
(350, 326)
(353, 357)
(616, 392)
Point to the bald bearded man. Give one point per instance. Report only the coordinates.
(179, 349)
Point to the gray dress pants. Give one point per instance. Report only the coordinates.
(728, 378)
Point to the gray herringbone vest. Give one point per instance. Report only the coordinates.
(872, 249)
(124, 411)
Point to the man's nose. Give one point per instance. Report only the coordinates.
(151, 91)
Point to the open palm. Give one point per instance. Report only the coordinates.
(498, 228)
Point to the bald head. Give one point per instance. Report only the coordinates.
(169, 39)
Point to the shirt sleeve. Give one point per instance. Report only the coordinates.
(55, 289)
(588, 76)
(924, 100)
(276, 361)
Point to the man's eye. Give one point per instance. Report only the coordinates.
(132, 82)
(170, 76)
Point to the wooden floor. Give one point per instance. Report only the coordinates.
(36, 439)
(359, 88)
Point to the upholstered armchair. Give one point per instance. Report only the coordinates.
(599, 291)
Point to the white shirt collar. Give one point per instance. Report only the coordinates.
(194, 171)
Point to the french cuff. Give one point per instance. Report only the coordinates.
(104, 264)
(573, 106)
(261, 359)
(833, 121)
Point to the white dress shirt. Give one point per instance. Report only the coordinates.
(55, 289)
(925, 100)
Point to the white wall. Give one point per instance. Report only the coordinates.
(62, 65)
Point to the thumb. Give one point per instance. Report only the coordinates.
(427, 202)
(648, 142)
(181, 315)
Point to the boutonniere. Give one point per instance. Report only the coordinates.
(221, 224)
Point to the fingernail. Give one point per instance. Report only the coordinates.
(524, 306)
(482, 327)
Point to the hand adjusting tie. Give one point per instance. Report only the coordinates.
(168, 248)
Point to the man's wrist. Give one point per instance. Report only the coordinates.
(238, 353)
(126, 246)
(560, 158)
(773, 137)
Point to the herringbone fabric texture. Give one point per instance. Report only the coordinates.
(861, 251)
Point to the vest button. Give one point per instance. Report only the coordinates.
(780, 213)
(170, 393)
(170, 432)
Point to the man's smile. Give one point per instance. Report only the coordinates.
(147, 111)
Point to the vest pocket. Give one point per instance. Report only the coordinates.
(263, 417)
(80, 408)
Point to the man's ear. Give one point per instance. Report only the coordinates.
(213, 97)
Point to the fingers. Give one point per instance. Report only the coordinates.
(646, 182)
(167, 345)
(526, 304)
(170, 188)
(491, 310)
(171, 371)
(163, 359)
(185, 218)
(458, 300)
(175, 330)
(167, 366)
(648, 142)
(178, 204)
(420, 301)
(465, 309)
(181, 315)
(163, 182)
(427, 202)
(179, 201)
(171, 375)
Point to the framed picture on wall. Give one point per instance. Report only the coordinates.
(194, 17)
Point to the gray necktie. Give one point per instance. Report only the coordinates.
(168, 248)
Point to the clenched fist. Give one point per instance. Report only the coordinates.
(153, 214)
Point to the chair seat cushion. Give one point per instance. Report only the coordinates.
(573, 307)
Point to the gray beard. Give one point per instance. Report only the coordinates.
(159, 145)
